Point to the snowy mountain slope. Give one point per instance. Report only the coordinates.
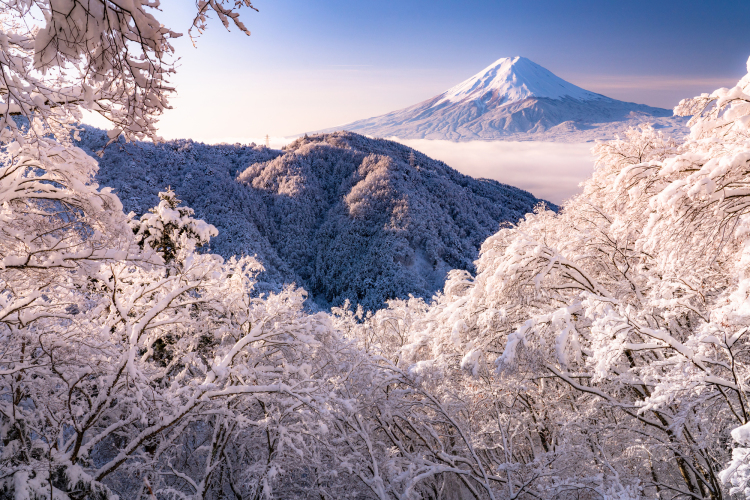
(357, 221)
(344, 216)
(516, 99)
(203, 177)
(514, 79)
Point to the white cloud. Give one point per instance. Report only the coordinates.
(548, 170)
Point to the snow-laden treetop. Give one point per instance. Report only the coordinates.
(514, 79)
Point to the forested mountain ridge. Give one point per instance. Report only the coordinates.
(344, 216)
(359, 220)
(203, 177)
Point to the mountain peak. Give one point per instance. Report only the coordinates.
(511, 79)
(516, 99)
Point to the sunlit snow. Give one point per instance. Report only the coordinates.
(515, 99)
(515, 79)
(548, 170)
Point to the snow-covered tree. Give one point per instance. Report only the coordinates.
(602, 352)
(598, 352)
(116, 377)
(168, 226)
(111, 58)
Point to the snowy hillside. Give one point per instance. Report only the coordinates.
(516, 99)
(515, 79)
(344, 216)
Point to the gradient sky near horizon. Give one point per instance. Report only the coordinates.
(312, 65)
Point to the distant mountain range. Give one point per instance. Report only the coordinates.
(516, 99)
(344, 216)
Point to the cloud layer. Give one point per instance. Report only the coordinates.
(548, 170)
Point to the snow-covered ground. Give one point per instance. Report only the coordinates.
(549, 170)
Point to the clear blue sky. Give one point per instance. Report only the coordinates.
(310, 65)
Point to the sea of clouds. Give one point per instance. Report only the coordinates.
(549, 170)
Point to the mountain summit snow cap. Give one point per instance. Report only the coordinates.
(514, 79)
(516, 98)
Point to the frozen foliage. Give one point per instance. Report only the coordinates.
(129, 362)
(600, 352)
(358, 221)
(516, 99)
(345, 216)
(112, 58)
(137, 368)
(168, 224)
(603, 351)
(203, 177)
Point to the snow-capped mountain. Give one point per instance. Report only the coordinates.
(513, 79)
(342, 215)
(516, 99)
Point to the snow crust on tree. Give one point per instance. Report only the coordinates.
(291, 210)
(602, 351)
(128, 365)
(111, 58)
(598, 352)
(168, 226)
